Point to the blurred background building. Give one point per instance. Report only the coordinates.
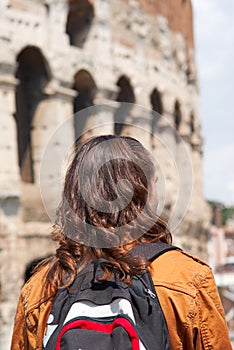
(221, 256)
(58, 57)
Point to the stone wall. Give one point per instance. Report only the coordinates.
(177, 12)
(123, 51)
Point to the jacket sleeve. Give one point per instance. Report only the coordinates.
(19, 336)
(210, 329)
(190, 302)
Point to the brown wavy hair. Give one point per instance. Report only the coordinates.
(107, 208)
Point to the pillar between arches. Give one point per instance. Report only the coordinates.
(10, 197)
(53, 113)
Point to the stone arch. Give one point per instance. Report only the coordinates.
(33, 73)
(192, 123)
(157, 106)
(86, 89)
(79, 21)
(194, 135)
(126, 91)
(156, 101)
(125, 94)
(177, 115)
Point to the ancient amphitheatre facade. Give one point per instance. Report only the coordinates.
(58, 57)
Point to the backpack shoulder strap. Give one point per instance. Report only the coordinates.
(152, 251)
(143, 289)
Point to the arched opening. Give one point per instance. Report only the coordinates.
(79, 21)
(177, 115)
(126, 94)
(157, 106)
(192, 124)
(156, 101)
(86, 89)
(33, 74)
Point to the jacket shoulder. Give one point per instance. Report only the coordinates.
(33, 292)
(179, 270)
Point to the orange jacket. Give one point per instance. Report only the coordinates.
(187, 293)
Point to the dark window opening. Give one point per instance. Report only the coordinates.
(192, 124)
(157, 106)
(177, 115)
(126, 94)
(86, 89)
(79, 21)
(33, 74)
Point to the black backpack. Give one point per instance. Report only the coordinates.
(93, 315)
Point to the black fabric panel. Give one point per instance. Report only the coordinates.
(151, 251)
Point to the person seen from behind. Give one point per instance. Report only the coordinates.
(108, 207)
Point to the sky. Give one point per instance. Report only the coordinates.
(214, 45)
